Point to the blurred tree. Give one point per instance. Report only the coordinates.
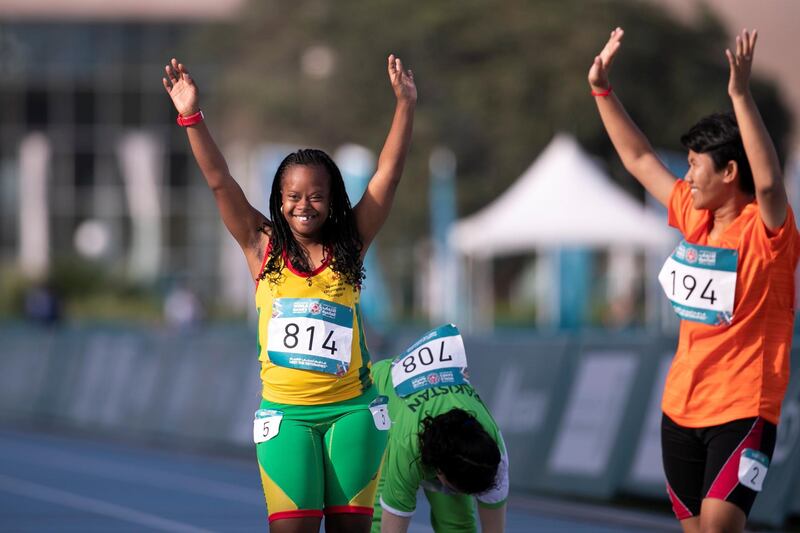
(496, 80)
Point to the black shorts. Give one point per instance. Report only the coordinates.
(705, 462)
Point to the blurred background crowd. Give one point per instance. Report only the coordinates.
(103, 213)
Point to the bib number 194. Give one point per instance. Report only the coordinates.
(689, 283)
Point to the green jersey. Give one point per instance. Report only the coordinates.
(402, 469)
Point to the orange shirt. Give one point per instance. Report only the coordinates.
(724, 373)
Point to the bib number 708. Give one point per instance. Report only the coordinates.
(425, 357)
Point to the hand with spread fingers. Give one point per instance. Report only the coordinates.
(402, 81)
(598, 73)
(741, 62)
(181, 88)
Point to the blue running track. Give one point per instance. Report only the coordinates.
(55, 483)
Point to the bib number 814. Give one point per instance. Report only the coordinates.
(292, 336)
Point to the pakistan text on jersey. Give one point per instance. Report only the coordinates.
(416, 400)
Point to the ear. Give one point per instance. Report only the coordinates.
(731, 172)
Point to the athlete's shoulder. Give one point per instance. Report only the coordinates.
(381, 374)
(381, 368)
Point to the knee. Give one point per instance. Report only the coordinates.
(719, 528)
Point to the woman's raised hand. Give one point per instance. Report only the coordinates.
(741, 62)
(598, 73)
(402, 80)
(181, 88)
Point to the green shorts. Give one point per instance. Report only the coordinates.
(323, 460)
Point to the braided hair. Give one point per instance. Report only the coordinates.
(455, 444)
(340, 237)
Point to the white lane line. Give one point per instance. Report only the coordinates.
(82, 503)
(119, 471)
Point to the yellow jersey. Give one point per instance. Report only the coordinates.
(310, 338)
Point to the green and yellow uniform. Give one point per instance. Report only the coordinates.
(320, 449)
(433, 385)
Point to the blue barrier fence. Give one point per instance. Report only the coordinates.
(580, 413)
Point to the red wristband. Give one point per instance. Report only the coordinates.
(190, 120)
(602, 93)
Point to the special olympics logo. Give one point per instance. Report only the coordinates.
(433, 379)
(691, 255)
(315, 308)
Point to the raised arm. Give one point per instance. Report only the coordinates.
(770, 192)
(242, 219)
(630, 143)
(373, 208)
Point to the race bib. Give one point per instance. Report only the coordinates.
(438, 358)
(700, 281)
(753, 466)
(379, 407)
(310, 334)
(266, 425)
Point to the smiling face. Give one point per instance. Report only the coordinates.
(710, 187)
(306, 199)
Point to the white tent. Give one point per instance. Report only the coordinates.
(562, 200)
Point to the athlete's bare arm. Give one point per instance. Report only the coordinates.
(242, 219)
(492, 520)
(373, 208)
(770, 192)
(391, 523)
(632, 146)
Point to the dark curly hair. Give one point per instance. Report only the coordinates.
(718, 136)
(339, 233)
(455, 444)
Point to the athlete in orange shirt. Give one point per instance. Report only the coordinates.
(731, 281)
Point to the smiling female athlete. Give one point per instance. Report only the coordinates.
(318, 447)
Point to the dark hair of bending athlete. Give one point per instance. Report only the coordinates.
(457, 447)
(339, 233)
(718, 136)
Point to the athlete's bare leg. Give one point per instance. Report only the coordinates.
(691, 525)
(347, 523)
(719, 516)
(308, 524)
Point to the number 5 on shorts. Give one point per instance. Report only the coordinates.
(266, 424)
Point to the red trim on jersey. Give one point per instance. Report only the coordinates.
(264, 262)
(325, 262)
(298, 513)
(348, 509)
